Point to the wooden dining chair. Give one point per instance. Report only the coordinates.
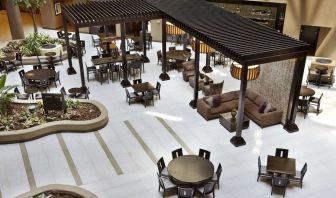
(279, 182)
(216, 176)
(163, 172)
(316, 101)
(262, 170)
(185, 192)
(299, 175)
(280, 152)
(137, 81)
(148, 97)
(209, 188)
(204, 153)
(177, 153)
(166, 185)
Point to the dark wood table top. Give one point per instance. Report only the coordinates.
(39, 74)
(190, 169)
(305, 91)
(76, 90)
(178, 54)
(31, 90)
(143, 87)
(105, 60)
(281, 165)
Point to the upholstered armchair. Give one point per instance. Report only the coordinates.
(188, 69)
(200, 83)
(213, 89)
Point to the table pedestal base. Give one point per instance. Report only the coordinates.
(237, 141)
(193, 104)
(164, 77)
(71, 71)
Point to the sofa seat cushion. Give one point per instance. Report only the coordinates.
(228, 96)
(225, 107)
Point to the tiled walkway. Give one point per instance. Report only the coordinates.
(120, 159)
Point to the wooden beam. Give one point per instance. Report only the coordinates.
(125, 82)
(79, 56)
(144, 30)
(164, 76)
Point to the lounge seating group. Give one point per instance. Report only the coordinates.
(228, 101)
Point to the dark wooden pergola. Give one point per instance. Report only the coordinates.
(240, 39)
(99, 13)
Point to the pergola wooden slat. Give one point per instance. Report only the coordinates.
(238, 38)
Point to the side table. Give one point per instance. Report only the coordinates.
(230, 124)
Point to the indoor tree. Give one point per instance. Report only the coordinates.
(32, 6)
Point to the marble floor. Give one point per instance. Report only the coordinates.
(120, 159)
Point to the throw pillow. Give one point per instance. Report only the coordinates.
(268, 108)
(216, 101)
(262, 107)
(209, 101)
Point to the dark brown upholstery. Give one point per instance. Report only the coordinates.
(213, 89)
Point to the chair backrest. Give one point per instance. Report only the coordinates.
(279, 181)
(127, 93)
(63, 92)
(105, 55)
(137, 81)
(161, 165)
(204, 153)
(25, 81)
(95, 57)
(16, 90)
(59, 34)
(22, 73)
(39, 60)
(51, 67)
(44, 82)
(303, 171)
(172, 48)
(158, 86)
(259, 163)
(87, 93)
(209, 188)
(128, 52)
(219, 171)
(18, 56)
(159, 54)
(280, 152)
(185, 192)
(177, 153)
(57, 75)
(320, 98)
(37, 67)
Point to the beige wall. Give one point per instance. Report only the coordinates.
(48, 18)
(156, 29)
(315, 13)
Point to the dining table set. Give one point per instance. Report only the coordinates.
(188, 174)
(307, 99)
(281, 169)
(177, 57)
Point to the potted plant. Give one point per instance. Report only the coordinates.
(234, 113)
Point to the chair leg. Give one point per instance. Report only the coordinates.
(318, 109)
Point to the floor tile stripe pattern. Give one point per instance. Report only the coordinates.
(27, 165)
(108, 153)
(176, 137)
(141, 141)
(0, 194)
(69, 160)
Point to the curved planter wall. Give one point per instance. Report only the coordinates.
(56, 126)
(59, 187)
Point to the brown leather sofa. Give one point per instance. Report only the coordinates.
(229, 101)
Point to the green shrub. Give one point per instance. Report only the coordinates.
(34, 41)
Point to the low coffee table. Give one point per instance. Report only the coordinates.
(230, 124)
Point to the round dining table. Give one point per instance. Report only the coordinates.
(190, 170)
(40, 74)
(178, 55)
(306, 91)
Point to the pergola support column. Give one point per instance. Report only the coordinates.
(238, 140)
(164, 76)
(290, 125)
(79, 55)
(70, 70)
(125, 82)
(144, 30)
(193, 103)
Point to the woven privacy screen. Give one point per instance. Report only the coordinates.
(173, 30)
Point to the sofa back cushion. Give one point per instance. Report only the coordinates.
(250, 94)
(228, 96)
(188, 65)
(260, 100)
